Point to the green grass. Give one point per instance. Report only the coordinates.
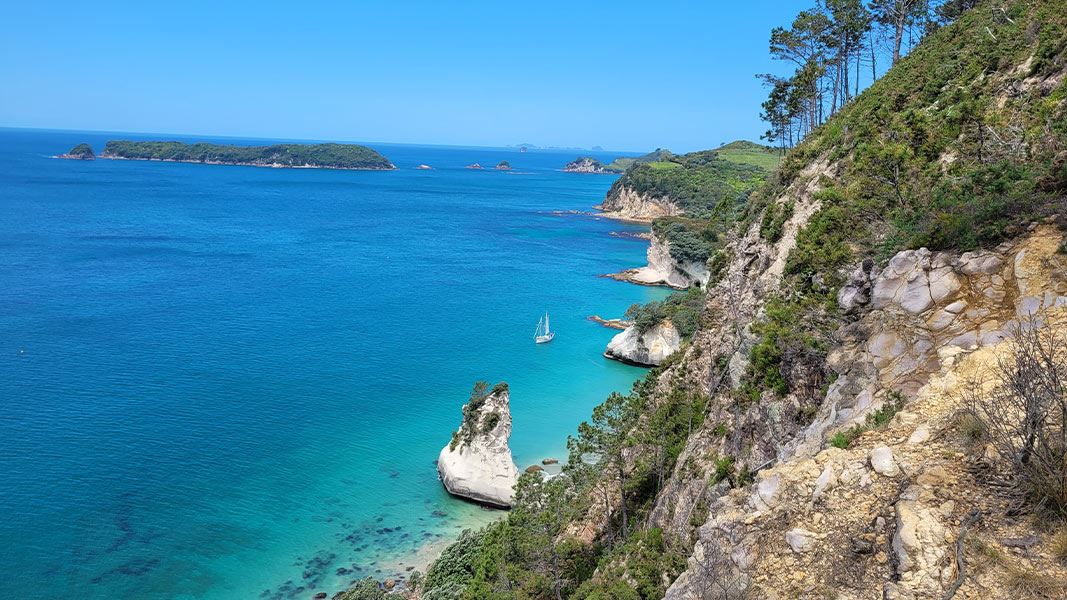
(661, 165)
(748, 153)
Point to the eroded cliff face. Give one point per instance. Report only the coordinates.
(881, 518)
(478, 465)
(627, 204)
(664, 269)
(648, 348)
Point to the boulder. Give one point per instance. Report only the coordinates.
(883, 463)
(477, 463)
(800, 540)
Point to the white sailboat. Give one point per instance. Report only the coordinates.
(544, 333)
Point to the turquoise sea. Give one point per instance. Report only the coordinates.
(233, 382)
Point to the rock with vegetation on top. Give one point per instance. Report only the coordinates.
(588, 164)
(477, 464)
(647, 348)
(80, 152)
(503, 166)
(664, 268)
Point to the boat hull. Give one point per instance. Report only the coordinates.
(544, 339)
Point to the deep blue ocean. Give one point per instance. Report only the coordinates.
(233, 382)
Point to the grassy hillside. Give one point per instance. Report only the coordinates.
(749, 153)
(697, 182)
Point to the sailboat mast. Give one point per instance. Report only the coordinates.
(547, 328)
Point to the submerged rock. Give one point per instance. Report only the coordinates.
(477, 463)
(645, 348)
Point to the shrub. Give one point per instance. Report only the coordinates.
(1022, 405)
(682, 308)
(1058, 545)
(774, 218)
(844, 439)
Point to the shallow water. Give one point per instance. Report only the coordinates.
(230, 382)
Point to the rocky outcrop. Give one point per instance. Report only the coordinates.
(587, 164)
(645, 348)
(664, 269)
(626, 204)
(477, 463)
(79, 152)
(881, 517)
(926, 307)
(503, 166)
(620, 324)
(474, 166)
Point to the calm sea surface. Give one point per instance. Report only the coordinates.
(233, 382)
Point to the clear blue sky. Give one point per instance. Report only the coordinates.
(622, 75)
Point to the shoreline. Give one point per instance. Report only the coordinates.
(239, 164)
(421, 559)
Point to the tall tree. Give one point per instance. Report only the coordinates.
(898, 16)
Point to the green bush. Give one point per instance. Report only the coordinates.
(682, 308)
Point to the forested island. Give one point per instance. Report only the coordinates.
(79, 152)
(317, 156)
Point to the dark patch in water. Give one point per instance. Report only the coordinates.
(132, 568)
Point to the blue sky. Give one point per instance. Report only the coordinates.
(622, 75)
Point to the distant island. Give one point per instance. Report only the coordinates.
(588, 164)
(309, 156)
(80, 152)
(503, 166)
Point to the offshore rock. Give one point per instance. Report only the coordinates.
(477, 464)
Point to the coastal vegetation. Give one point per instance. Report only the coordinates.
(332, 156)
(681, 308)
(961, 145)
(697, 182)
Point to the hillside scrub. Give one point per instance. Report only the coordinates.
(682, 308)
(1022, 409)
(697, 182)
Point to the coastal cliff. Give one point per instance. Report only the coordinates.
(477, 464)
(645, 348)
(830, 428)
(663, 268)
(627, 204)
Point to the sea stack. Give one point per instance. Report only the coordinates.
(476, 464)
(503, 166)
(80, 152)
(645, 348)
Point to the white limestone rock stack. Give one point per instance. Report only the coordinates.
(477, 464)
(645, 348)
(664, 269)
